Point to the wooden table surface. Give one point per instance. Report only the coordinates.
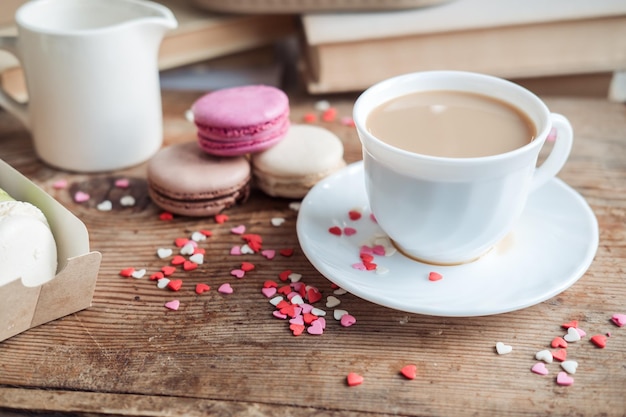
(227, 355)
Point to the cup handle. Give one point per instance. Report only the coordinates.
(17, 109)
(560, 152)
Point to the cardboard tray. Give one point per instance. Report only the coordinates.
(72, 288)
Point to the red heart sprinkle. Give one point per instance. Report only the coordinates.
(286, 252)
(335, 230)
(297, 329)
(314, 295)
(247, 266)
(178, 260)
(284, 276)
(434, 276)
(128, 272)
(409, 371)
(166, 215)
(354, 214)
(367, 257)
(189, 266)
(157, 276)
(270, 284)
(309, 318)
(285, 289)
(558, 342)
(354, 379)
(168, 270)
(573, 323)
(180, 241)
(560, 355)
(199, 250)
(221, 218)
(289, 310)
(175, 284)
(599, 340)
(201, 288)
(370, 266)
(282, 304)
(207, 233)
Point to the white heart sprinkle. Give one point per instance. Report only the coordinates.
(297, 299)
(139, 273)
(198, 236)
(106, 205)
(293, 277)
(162, 283)
(382, 270)
(569, 366)
(274, 301)
(187, 249)
(295, 206)
(332, 301)
(277, 221)
(197, 258)
(245, 249)
(544, 355)
(318, 312)
(340, 291)
(127, 201)
(163, 253)
(503, 349)
(338, 314)
(572, 335)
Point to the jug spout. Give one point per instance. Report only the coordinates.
(159, 16)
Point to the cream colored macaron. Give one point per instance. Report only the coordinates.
(292, 167)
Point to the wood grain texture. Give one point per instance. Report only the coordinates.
(226, 355)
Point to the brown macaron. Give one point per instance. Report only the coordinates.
(182, 179)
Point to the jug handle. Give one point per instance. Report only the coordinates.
(17, 109)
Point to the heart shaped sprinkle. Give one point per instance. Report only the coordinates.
(572, 335)
(318, 312)
(276, 300)
(187, 249)
(237, 273)
(168, 270)
(558, 342)
(619, 319)
(122, 183)
(332, 301)
(221, 218)
(296, 329)
(239, 230)
(381, 270)
(503, 349)
(59, 184)
(138, 273)
(353, 379)
(81, 197)
(127, 201)
(313, 295)
(599, 340)
(560, 355)
(544, 355)
(295, 205)
(569, 366)
(166, 216)
(279, 315)
(354, 214)
(277, 221)
(127, 272)
(173, 305)
(347, 320)
(286, 252)
(189, 265)
(177, 260)
(269, 283)
(198, 236)
(360, 266)
(540, 368)
(268, 253)
(202, 288)
(197, 258)
(573, 323)
(179, 242)
(163, 253)
(338, 314)
(581, 332)
(156, 276)
(175, 284)
(246, 250)
(269, 292)
(225, 288)
(162, 283)
(297, 320)
(564, 379)
(235, 250)
(247, 266)
(315, 328)
(106, 205)
(349, 231)
(340, 291)
(409, 371)
(434, 276)
(335, 230)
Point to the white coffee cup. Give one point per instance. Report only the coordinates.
(445, 210)
(92, 77)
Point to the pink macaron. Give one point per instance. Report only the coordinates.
(240, 120)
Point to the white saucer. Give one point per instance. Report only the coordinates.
(549, 250)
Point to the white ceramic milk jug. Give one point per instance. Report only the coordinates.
(94, 101)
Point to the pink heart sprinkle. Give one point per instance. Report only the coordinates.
(315, 328)
(564, 379)
(347, 320)
(268, 253)
(322, 321)
(373, 218)
(269, 292)
(366, 250)
(379, 250)
(581, 332)
(239, 230)
(122, 183)
(279, 315)
(349, 231)
(225, 288)
(306, 308)
(173, 305)
(619, 319)
(59, 185)
(239, 273)
(235, 250)
(81, 197)
(359, 266)
(540, 368)
(297, 320)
